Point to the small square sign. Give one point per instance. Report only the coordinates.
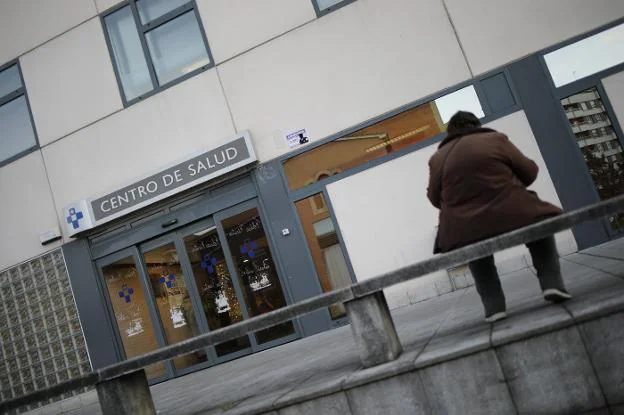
(77, 217)
(297, 138)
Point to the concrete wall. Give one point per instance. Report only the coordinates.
(26, 24)
(70, 82)
(27, 209)
(138, 140)
(396, 227)
(494, 32)
(234, 26)
(339, 71)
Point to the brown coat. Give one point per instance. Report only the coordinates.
(484, 190)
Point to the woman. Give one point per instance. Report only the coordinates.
(478, 179)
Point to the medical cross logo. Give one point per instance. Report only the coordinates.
(126, 293)
(74, 218)
(208, 263)
(168, 280)
(249, 247)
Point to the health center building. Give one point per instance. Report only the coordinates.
(171, 167)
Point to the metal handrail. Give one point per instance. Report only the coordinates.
(460, 256)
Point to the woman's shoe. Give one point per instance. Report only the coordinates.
(556, 295)
(493, 318)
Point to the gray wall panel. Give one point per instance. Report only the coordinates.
(291, 249)
(565, 162)
(96, 326)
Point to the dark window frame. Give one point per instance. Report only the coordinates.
(11, 96)
(322, 12)
(142, 30)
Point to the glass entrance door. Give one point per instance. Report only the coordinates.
(173, 303)
(128, 302)
(206, 276)
(217, 293)
(600, 146)
(256, 273)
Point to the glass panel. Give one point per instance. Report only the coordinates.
(173, 301)
(256, 270)
(16, 130)
(587, 56)
(177, 48)
(152, 9)
(131, 313)
(128, 53)
(377, 140)
(320, 232)
(599, 144)
(9, 80)
(326, 4)
(212, 276)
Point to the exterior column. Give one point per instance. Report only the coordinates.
(126, 395)
(373, 329)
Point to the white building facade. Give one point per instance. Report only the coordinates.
(171, 167)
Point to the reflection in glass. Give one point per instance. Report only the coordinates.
(16, 131)
(177, 48)
(465, 99)
(599, 144)
(131, 314)
(325, 4)
(9, 80)
(256, 270)
(380, 139)
(587, 56)
(320, 232)
(128, 53)
(212, 276)
(152, 9)
(173, 301)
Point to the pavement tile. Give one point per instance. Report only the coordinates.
(610, 266)
(613, 249)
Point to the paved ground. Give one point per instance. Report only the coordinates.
(429, 331)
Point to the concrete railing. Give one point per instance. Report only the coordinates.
(123, 388)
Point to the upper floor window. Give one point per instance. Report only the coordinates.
(155, 43)
(326, 6)
(17, 135)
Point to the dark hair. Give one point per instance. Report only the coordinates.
(461, 121)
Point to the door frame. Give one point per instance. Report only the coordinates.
(173, 238)
(134, 253)
(233, 211)
(189, 278)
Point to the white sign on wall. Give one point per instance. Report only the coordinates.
(297, 138)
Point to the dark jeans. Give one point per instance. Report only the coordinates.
(545, 260)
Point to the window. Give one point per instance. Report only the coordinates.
(325, 248)
(377, 140)
(17, 134)
(323, 7)
(154, 43)
(587, 57)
